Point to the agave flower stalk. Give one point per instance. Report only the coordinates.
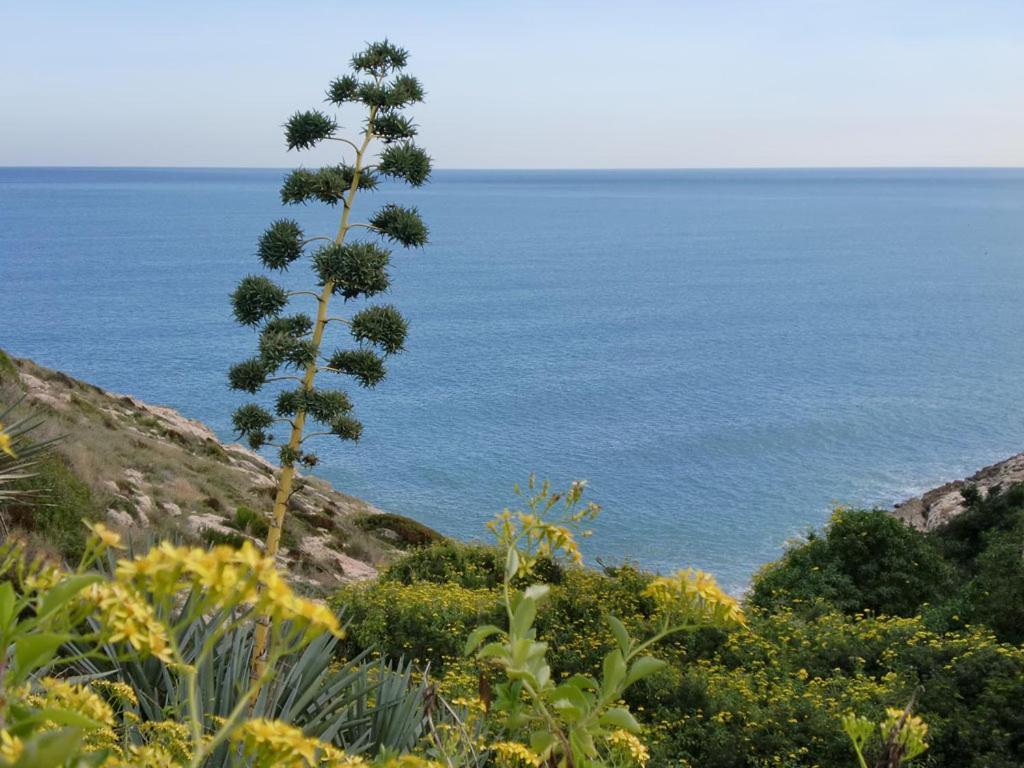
(352, 269)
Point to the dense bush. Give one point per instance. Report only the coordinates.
(403, 531)
(865, 561)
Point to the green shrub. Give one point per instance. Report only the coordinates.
(215, 538)
(422, 621)
(57, 505)
(249, 521)
(866, 561)
(407, 532)
(469, 565)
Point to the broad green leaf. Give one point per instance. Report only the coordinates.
(478, 635)
(50, 748)
(621, 634)
(643, 667)
(34, 651)
(537, 591)
(7, 601)
(522, 618)
(614, 672)
(541, 742)
(62, 593)
(619, 717)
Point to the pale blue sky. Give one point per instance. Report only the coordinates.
(718, 83)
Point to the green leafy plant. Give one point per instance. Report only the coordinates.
(902, 737)
(579, 721)
(351, 270)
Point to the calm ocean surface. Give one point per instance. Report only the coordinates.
(722, 354)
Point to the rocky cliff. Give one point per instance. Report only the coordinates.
(938, 505)
(152, 472)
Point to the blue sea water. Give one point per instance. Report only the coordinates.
(722, 354)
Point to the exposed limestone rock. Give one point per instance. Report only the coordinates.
(939, 505)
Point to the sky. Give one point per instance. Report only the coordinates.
(639, 84)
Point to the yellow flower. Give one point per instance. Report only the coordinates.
(105, 536)
(6, 443)
(692, 595)
(512, 754)
(223, 577)
(273, 743)
(628, 745)
(10, 747)
(125, 616)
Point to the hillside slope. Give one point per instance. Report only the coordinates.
(152, 472)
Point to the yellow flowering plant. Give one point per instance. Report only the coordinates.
(52, 618)
(580, 721)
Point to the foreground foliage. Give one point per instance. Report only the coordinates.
(829, 637)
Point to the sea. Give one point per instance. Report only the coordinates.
(723, 355)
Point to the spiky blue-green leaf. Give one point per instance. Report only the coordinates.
(324, 405)
(383, 326)
(256, 298)
(306, 129)
(401, 225)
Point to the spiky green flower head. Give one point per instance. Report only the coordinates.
(249, 375)
(281, 244)
(324, 405)
(401, 225)
(355, 269)
(347, 428)
(380, 59)
(252, 422)
(277, 349)
(405, 161)
(364, 365)
(383, 326)
(256, 298)
(297, 325)
(329, 185)
(307, 129)
(288, 456)
(403, 91)
(343, 89)
(391, 126)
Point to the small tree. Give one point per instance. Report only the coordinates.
(291, 345)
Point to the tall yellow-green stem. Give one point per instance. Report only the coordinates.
(287, 476)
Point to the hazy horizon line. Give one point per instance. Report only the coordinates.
(548, 168)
